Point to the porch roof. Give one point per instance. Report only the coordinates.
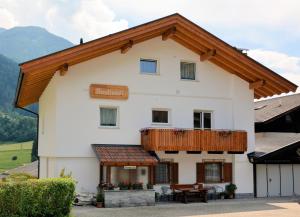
(123, 155)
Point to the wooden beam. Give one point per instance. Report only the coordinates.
(209, 54)
(63, 69)
(257, 84)
(168, 34)
(126, 47)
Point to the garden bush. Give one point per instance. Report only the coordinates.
(37, 197)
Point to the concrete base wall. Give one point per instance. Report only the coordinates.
(129, 198)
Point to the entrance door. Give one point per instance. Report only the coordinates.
(273, 180)
(286, 180)
(261, 180)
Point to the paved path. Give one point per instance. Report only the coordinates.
(225, 208)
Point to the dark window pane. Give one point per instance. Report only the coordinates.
(207, 120)
(148, 66)
(213, 172)
(161, 173)
(187, 70)
(160, 116)
(197, 119)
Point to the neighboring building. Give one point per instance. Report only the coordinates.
(276, 158)
(164, 102)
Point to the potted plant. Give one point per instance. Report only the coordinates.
(230, 190)
(137, 186)
(99, 200)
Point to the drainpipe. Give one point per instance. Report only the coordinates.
(254, 180)
(20, 79)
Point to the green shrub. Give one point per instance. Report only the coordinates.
(37, 198)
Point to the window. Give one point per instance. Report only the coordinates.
(188, 71)
(160, 116)
(148, 66)
(213, 172)
(202, 120)
(162, 173)
(108, 117)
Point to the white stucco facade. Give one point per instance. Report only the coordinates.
(69, 117)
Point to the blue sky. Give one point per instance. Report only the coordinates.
(268, 28)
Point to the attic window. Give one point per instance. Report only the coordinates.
(148, 66)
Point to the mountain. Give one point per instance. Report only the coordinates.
(17, 45)
(9, 71)
(25, 43)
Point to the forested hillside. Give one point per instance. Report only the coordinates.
(17, 45)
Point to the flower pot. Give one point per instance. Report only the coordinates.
(99, 204)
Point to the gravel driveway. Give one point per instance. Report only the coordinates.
(287, 207)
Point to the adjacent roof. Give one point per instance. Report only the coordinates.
(123, 155)
(269, 109)
(36, 74)
(285, 155)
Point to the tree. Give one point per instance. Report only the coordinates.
(34, 151)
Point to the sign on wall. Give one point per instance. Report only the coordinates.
(104, 91)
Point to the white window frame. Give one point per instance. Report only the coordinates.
(149, 58)
(118, 117)
(184, 79)
(202, 119)
(158, 123)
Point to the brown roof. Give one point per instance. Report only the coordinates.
(36, 74)
(123, 155)
(266, 110)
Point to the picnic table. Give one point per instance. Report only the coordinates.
(189, 193)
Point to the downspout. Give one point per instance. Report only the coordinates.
(20, 80)
(254, 180)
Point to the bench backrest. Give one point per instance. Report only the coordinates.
(183, 186)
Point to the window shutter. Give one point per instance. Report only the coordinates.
(227, 167)
(200, 172)
(174, 173)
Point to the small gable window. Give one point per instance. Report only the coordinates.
(148, 66)
(188, 71)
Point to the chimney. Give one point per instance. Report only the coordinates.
(81, 40)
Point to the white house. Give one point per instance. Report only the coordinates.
(164, 102)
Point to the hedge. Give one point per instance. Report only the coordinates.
(37, 198)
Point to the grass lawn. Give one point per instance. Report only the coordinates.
(8, 150)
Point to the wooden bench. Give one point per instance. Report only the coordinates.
(188, 193)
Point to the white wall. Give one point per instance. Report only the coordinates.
(76, 115)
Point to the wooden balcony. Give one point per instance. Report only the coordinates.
(153, 139)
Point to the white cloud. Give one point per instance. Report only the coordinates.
(287, 66)
(71, 19)
(231, 13)
(7, 19)
(94, 19)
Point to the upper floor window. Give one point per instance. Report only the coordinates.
(202, 120)
(160, 116)
(108, 117)
(148, 66)
(187, 71)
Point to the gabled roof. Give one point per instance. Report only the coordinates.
(269, 109)
(36, 74)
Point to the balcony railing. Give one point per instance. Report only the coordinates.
(153, 139)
